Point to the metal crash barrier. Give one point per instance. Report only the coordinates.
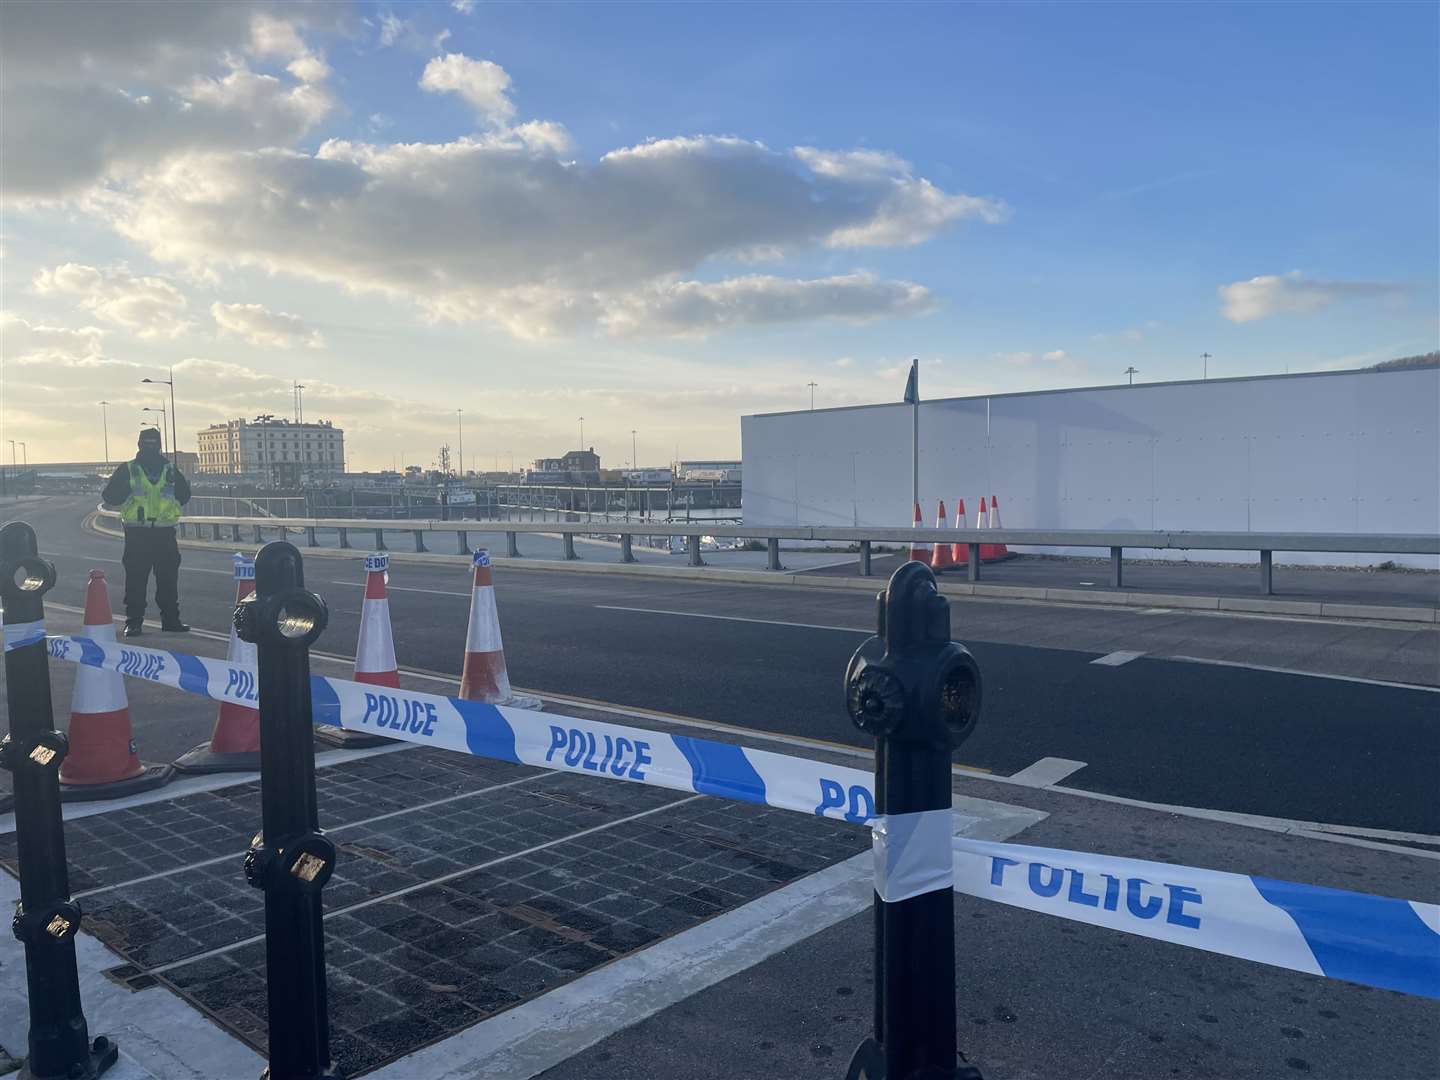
(910, 686)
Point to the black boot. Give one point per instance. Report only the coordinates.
(134, 627)
(171, 624)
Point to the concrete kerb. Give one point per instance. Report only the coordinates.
(721, 576)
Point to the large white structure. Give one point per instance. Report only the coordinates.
(1353, 451)
(272, 450)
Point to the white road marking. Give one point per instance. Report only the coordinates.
(1046, 771)
(1115, 659)
(1085, 583)
(734, 618)
(1309, 674)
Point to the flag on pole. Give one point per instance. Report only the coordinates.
(912, 384)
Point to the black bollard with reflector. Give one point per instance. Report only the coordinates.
(290, 859)
(918, 693)
(46, 919)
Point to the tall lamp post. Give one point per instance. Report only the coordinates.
(1132, 371)
(105, 430)
(1205, 371)
(170, 382)
(161, 411)
(812, 386)
(460, 440)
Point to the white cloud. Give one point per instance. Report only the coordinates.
(465, 7)
(1294, 294)
(845, 362)
(498, 227)
(695, 308)
(392, 28)
(23, 342)
(102, 90)
(260, 326)
(1055, 356)
(149, 307)
(484, 85)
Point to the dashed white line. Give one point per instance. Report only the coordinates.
(1047, 771)
(1115, 659)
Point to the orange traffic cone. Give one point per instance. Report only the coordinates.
(995, 552)
(234, 745)
(958, 553)
(919, 552)
(101, 762)
(944, 557)
(484, 677)
(374, 652)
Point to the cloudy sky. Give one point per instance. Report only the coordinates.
(661, 217)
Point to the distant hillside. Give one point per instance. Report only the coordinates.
(1429, 359)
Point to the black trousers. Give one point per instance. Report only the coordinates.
(149, 549)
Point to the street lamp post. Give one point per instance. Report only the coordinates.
(1132, 371)
(105, 430)
(812, 386)
(170, 382)
(1205, 371)
(460, 440)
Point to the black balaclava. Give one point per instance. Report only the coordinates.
(149, 457)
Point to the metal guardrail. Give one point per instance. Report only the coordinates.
(972, 539)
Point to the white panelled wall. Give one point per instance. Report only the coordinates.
(1325, 452)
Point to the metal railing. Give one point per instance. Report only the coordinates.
(234, 530)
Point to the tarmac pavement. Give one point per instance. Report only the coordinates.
(776, 982)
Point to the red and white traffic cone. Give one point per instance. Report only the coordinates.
(484, 677)
(944, 557)
(919, 552)
(234, 745)
(996, 552)
(101, 762)
(958, 552)
(374, 652)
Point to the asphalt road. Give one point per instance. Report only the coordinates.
(1165, 731)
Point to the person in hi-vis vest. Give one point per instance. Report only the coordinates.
(150, 492)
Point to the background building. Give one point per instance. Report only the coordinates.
(726, 472)
(272, 450)
(1337, 452)
(576, 467)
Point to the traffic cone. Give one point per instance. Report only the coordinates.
(944, 557)
(996, 551)
(484, 677)
(101, 762)
(919, 552)
(374, 652)
(234, 745)
(958, 552)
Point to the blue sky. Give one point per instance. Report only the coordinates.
(410, 208)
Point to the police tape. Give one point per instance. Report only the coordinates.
(1372, 940)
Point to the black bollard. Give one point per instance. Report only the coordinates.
(918, 693)
(46, 919)
(290, 859)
